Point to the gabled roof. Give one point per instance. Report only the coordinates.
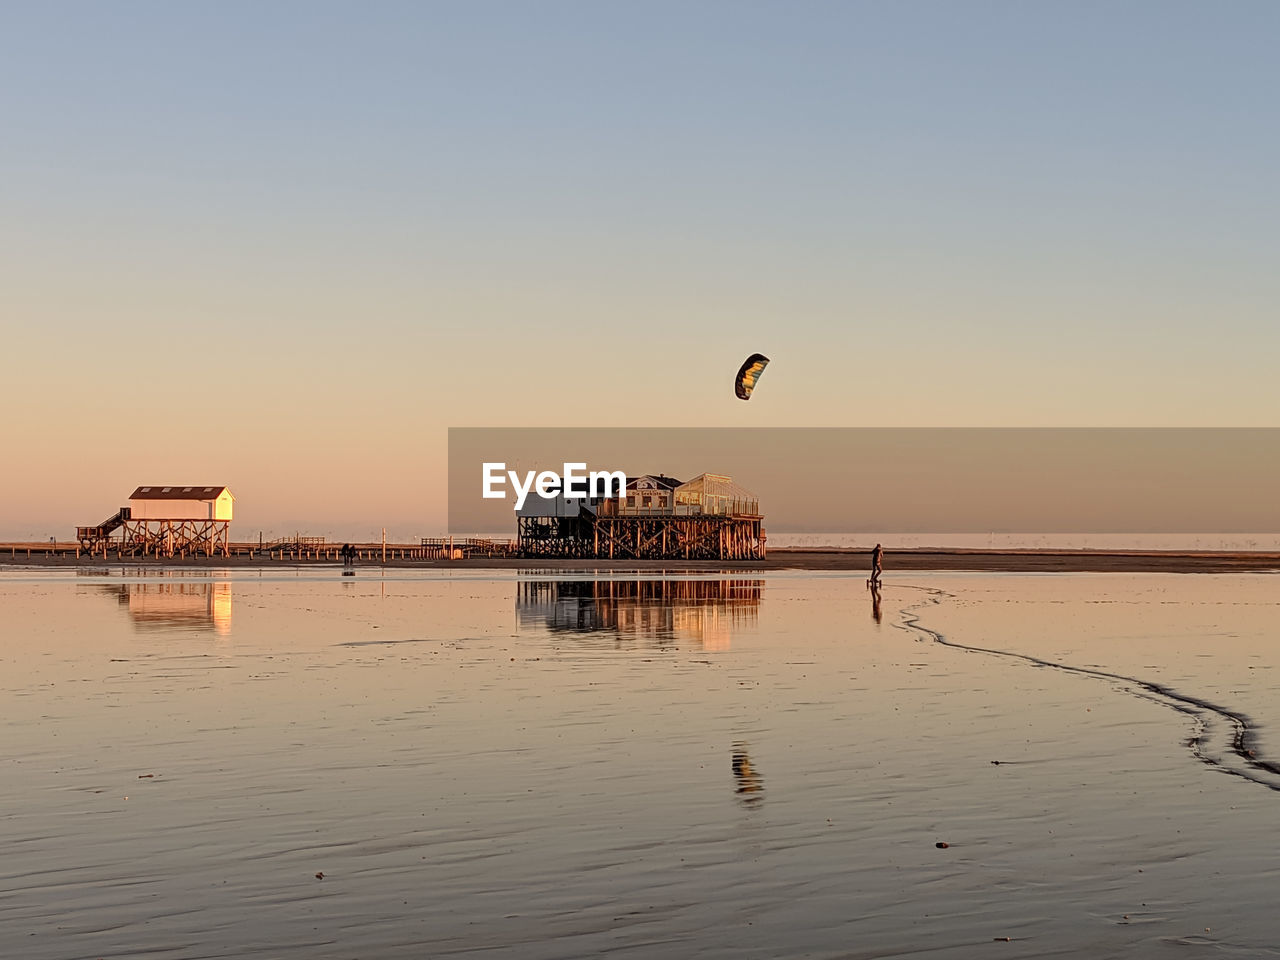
(660, 481)
(178, 492)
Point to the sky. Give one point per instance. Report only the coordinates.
(285, 246)
(911, 481)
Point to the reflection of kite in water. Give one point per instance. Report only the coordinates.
(749, 374)
(750, 787)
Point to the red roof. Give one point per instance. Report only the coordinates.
(177, 492)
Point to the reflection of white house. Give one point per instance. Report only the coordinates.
(652, 612)
(170, 605)
(181, 503)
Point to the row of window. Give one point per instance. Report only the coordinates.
(647, 500)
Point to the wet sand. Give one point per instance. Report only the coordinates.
(283, 763)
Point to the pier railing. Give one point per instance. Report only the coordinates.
(289, 549)
(451, 548)
(296, 542)
(712, 507)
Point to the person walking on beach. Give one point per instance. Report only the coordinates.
(348, 556)
(877, 559)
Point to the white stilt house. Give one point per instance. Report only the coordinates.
(707, 518)
(167, 521)
(179, 520)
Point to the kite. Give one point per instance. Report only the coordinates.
(745, 382)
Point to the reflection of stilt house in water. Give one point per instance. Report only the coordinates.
(173, 521)
(176, 605)
(708, 518)
(650, 611)
(750, 785)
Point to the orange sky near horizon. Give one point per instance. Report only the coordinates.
(351, 433)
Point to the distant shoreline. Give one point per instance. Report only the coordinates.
(836, 559)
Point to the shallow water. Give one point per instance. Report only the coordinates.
(527, 766)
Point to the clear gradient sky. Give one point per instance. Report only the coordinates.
(284, 246)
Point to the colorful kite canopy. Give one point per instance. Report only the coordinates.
(749, 374)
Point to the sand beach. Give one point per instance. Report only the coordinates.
(283, 762)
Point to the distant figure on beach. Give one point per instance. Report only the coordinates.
(348, 555)
(877, 560)
(875, 601)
